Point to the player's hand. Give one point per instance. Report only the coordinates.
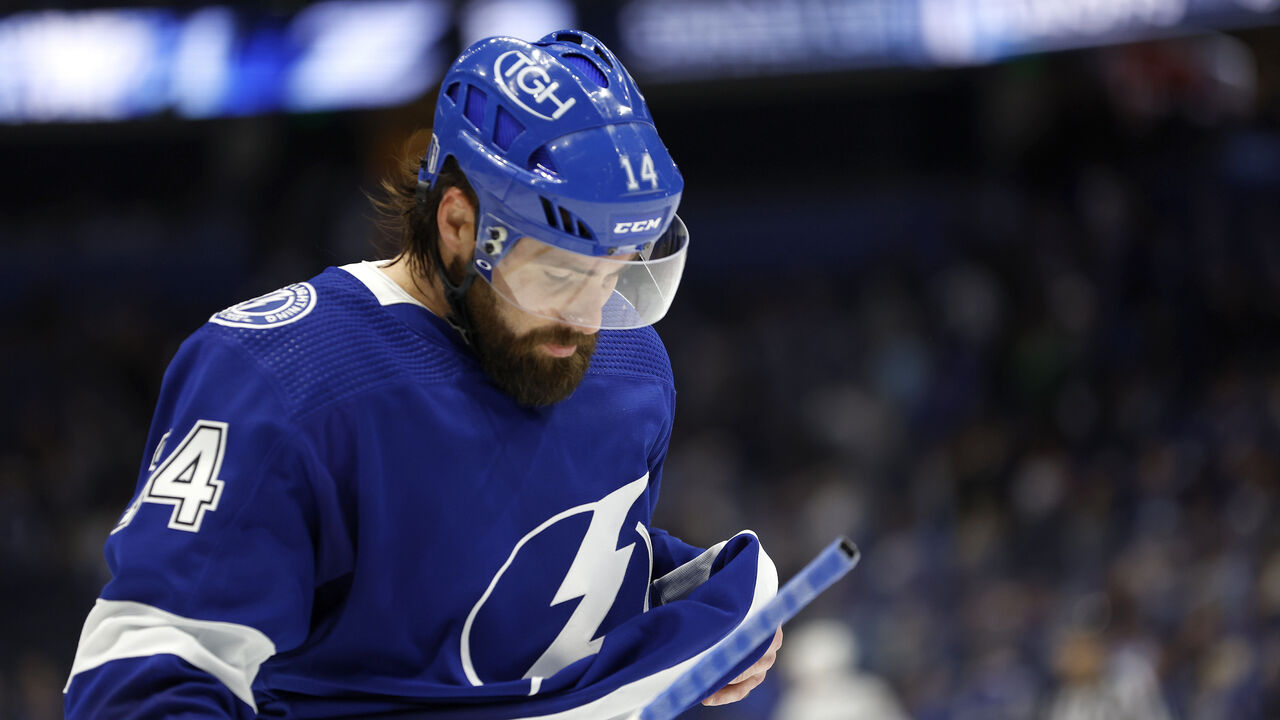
(750, 678)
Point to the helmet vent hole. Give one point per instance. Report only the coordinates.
(583, 231)
(585, 66)
(452, 93)
(541, 158)
(601, 54)
(475, 106)
(567, 220)
(506, 129)
(549, 209)
(569, 37)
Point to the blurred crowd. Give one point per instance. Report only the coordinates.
(1037, 384)
(1056, 447)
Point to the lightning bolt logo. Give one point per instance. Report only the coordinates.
(595, 576)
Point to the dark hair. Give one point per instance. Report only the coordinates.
(409, 226)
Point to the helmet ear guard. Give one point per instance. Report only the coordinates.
(559, 146)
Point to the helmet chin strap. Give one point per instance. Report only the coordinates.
(459, 317)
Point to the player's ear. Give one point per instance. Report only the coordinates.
(455, 219)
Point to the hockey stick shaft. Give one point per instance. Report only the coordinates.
(829, 566)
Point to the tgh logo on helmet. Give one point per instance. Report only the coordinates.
(523, 80)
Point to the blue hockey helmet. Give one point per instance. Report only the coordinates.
(577, 194)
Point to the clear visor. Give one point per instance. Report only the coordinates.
(609, 293)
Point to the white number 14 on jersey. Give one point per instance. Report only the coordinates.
(187, 480)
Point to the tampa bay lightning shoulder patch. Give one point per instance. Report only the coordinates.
(280, 307)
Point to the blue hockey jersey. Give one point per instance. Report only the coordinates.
(339, 516)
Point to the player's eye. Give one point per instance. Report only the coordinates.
(557, 276)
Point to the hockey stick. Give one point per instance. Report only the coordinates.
(829, 566)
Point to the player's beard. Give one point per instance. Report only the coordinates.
(515, 363)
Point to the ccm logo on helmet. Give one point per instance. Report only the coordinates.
(624, 228)
(521, 79)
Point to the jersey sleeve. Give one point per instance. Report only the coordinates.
(213, 562)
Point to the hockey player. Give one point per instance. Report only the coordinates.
(423, 487)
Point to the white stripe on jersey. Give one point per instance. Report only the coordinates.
(117, 629)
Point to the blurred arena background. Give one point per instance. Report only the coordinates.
(992, 286)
